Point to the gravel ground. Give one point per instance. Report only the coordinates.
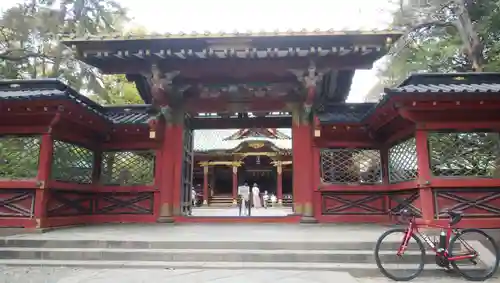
(80, 275)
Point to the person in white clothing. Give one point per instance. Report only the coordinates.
(256, 196)
(265, 199)
(274, 199)
(244, 196)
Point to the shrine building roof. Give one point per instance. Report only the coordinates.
(217, 140)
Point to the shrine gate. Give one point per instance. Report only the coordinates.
(428, 145)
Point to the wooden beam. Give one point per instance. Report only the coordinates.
(233, 67)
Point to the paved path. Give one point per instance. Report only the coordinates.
(77, 275)
(215, 232)
(234, 211)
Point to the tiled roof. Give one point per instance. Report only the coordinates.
(130, 114)
(31, 94)
(55, 89)
(345, 112)
(419, 84)
(449, 88)
(226, 34)
(207, 140)
(450, 83)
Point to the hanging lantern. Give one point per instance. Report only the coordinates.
(257, 160)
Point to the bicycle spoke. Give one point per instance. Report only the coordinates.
(402, 267)
(474, 254)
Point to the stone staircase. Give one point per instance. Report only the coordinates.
(354, 257)
(221, 201)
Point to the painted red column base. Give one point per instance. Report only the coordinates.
(279, 188)
(235, 185)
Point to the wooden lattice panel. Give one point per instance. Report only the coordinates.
(345, 166)
(403, 161)
(17, 203)
(404, 200)
(19, 156)
(466, 154)
(64, 203)
(124, 203)
(345, 203)
(473, 202)
(72, 163)
(128, 167)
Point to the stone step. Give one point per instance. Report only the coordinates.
(355, 269)
(199, 245)
(187, 255)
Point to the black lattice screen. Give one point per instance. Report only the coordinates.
(343, 166)
(128, 167)
(187, 167)
(72, 163)
(467, 154)
(403, 161)
(19, 156)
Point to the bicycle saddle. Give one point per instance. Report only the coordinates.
(407, 213)
(455, 216)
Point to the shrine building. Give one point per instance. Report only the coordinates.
(429, 145)
(229, 158)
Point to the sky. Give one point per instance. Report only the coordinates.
(163, 16)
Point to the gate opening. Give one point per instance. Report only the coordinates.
(218, 162)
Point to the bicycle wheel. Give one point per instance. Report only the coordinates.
(413, 255)
(471, 241)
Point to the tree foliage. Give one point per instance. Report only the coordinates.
(30, 46)
(434, 44)
(118, 91)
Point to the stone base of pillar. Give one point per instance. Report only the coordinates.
(205, 202)
(308, 220)
(165, 219)
(307, 214)
(280, 202)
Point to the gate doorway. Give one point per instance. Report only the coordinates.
(223, 160)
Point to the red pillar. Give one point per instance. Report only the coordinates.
(235, 183)
(302, 143)
(43, 177)
(424, 175)
(298, 177)
(316, 180)
(205, 185)
(279, 183)
(159, 171)
(177, 160)
(164, 174)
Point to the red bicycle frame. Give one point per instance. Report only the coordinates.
(413, 229)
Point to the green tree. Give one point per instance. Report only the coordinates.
(29, 38)
(118, 91)
(436, 45)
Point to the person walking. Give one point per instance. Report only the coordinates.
(256, 196)
(244, 196)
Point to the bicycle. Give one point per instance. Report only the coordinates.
(449, 238)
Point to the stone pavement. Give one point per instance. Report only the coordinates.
(234, 211)
(79, 275)
(215, 232)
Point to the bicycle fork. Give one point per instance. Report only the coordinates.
(404, 244)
